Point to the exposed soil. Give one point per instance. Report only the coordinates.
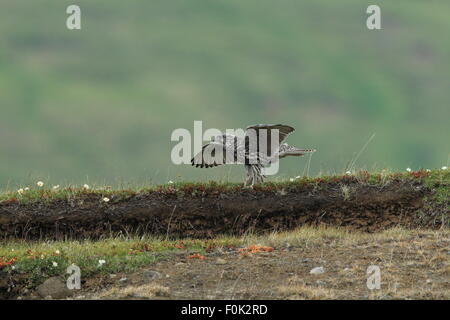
(205, 213)
(414, 267)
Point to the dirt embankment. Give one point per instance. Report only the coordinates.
(190, 212)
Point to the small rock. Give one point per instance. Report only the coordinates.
(429, 281)
(221, 261)
(55, 288)
(151, 275)
(317, 270)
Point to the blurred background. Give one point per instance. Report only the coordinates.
(98, 105)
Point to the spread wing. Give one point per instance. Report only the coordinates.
(224, 149)
(259, 132)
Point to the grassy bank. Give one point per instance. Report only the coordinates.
(437, 179)
(359, 200)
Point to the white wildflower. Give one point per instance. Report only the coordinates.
(13, 267)
(297, 177)
(20, 191)
(57, 252)
(428, 170)
(26, 189)
(348, 172)
(40, 184)
(56, 187)
(408, 169)
(170, 182)
(101, 262)
(105, 199)
(291, 179)
(444, 168)
(86, 187)
(55, 264)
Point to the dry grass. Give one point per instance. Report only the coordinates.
(410, 293)
(313, 235)
(304, 292)
(415, 264)
(146, 291)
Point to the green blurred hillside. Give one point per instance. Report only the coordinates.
(99, 105)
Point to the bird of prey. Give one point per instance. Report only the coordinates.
(260, 146)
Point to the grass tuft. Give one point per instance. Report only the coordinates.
(438, 180)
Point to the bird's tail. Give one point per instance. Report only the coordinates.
(294, 151)
(305, 150)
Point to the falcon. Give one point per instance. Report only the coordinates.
(260, 146)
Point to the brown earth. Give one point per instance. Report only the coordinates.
(413, 266)
(204, 213)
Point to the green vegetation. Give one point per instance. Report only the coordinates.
(437, 180)
(100, 104)
(40, 260)
(45, 259)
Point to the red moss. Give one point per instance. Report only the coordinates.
(196, 256)
(4, 263)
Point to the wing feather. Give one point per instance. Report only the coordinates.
(283, 132)
(211, 155)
